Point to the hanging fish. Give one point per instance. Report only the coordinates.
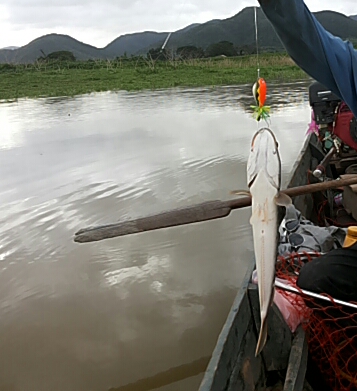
(264, 178)
(259, 93)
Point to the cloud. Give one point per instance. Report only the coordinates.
(347, 7)
(98, 22)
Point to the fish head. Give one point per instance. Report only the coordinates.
(264, 158)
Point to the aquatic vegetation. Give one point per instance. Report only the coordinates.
(43, 79)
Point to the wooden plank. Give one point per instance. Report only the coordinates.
(297, 366)
(277, 349)
(303, 203)
(297, 169)
(194, 214)
(233, 365)
(248, 371)
(209, 210)
(236, 340)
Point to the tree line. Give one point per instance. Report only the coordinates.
(223, 48)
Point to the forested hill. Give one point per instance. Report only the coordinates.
(238, 30)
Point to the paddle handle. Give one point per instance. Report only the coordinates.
(321, 168)
(194, 214)
(206, 211)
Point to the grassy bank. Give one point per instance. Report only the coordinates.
(73, 78)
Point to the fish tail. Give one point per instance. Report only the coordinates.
(262, 337)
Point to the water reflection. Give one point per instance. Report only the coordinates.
(110, 314)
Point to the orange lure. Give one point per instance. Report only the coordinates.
(259, 93)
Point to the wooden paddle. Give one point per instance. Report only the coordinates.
(193, 214)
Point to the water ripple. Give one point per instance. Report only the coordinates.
(92, 316)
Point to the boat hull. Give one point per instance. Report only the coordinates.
(233, 365)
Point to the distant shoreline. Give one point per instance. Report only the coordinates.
(53, 79)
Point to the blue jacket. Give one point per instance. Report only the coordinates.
(326, 58)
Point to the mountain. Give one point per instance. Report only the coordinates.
(338, 24)
(189, 27)
(7, 55)
(354, 17)
(137, 42)
(10, 48)
(238, 29)
(132, 43)
(50, 43)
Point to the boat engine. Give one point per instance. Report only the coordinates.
(333, 117)
(323, 103)
(337, 136)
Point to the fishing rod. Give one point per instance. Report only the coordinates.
(256, 40)
(205, 211)
(289, 288)
(260, 87)
(166, 40)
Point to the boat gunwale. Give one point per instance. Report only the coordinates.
(223, 338)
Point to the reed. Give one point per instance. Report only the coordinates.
(45, 79)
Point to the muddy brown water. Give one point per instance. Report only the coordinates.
(141, 312)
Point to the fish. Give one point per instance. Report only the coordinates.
(264, 181)
(259, 91)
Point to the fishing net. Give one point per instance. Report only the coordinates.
(331, 327)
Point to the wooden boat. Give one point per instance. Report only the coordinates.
(233, 365)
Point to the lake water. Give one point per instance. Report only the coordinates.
(145, 308)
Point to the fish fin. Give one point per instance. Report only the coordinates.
(283, 199)
(262, 337)
(252, 220)
(241, 192)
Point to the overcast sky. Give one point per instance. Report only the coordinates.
(98, 22)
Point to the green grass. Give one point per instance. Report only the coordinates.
(73, 78)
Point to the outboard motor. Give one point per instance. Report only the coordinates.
(329, 110)
(323, 103)
(346, 126)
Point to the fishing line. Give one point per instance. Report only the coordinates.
(259, 88)
(178, 15)
(256, 40)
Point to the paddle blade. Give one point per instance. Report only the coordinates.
(206, 211)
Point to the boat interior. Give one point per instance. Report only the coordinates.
(329, 152)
